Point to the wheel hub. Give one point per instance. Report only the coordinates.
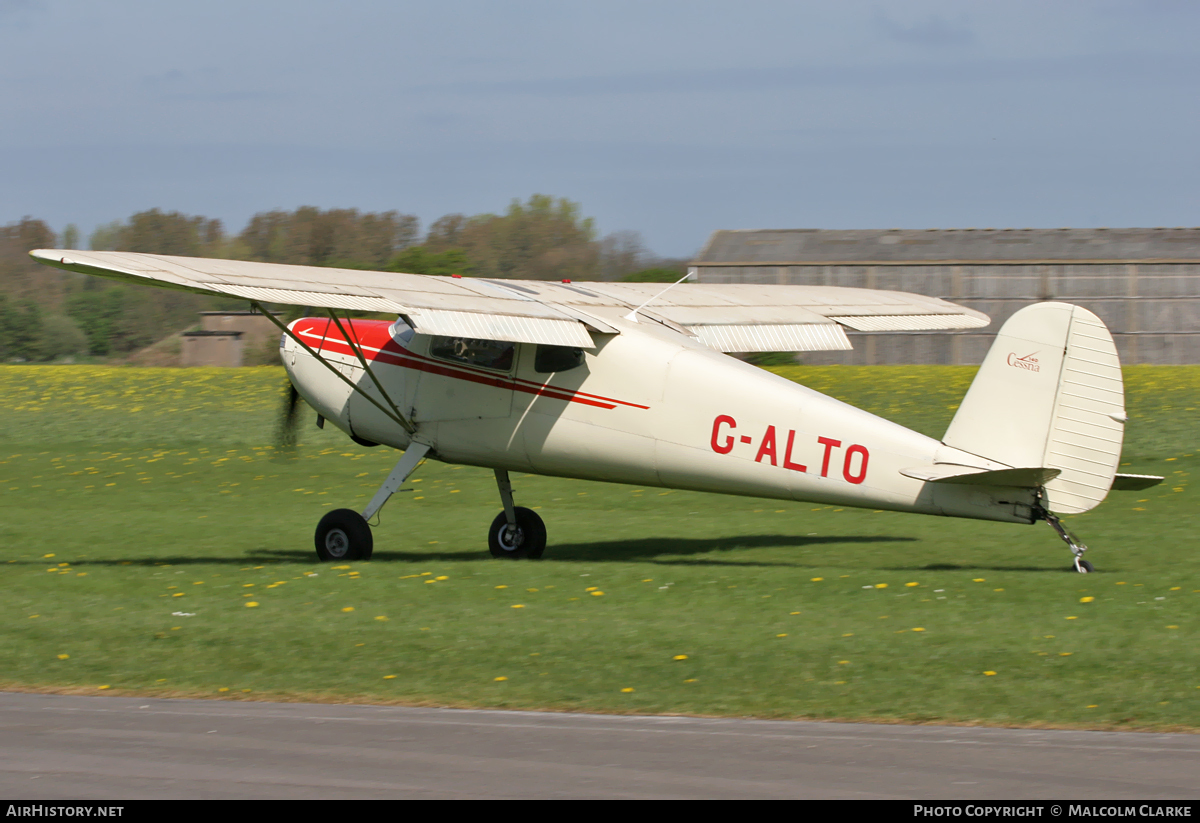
(337, 543)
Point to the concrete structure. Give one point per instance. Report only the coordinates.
(225, 337)
(1144, 283)
(212, 348)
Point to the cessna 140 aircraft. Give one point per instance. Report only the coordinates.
(628, 383)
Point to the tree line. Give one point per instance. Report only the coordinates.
(46, 314)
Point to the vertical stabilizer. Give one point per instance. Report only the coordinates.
(1049, 395)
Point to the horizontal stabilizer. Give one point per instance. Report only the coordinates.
(971, 476)
(1134, 482)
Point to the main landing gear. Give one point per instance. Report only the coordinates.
(344, 534)
(1076, 545)
(516, 533)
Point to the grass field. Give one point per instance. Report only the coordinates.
(155, 543)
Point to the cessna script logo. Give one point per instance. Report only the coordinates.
(1029, 362)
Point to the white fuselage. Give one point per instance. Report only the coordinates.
(648, 406)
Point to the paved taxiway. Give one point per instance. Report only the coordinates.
(68, 747)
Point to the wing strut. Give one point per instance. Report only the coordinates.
(357, 349)
(393, 414)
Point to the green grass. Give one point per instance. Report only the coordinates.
(122, 488)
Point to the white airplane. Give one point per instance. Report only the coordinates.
(628, 383)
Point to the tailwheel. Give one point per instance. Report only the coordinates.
(527, 539)
(1083, 567)
(343, 534)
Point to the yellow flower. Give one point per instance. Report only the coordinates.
(498, 679)
(104, 687)
(223, 689)
(977, 580)
(381, 617)
(348, 609)
(793, 612)
(502, 587)
(389, 677)
(1072, 617)
(781, 635)
(910, 585)
(63, 656)
(989, 674)
(626, 690)
(817, 579)
(597, 594)
(591, 588)
(881, 585)
(251, 604)
(1086, 599)
(519, 606)
(918, 629)
(676, 657)
(443, 577)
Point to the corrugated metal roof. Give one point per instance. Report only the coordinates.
(864, 246)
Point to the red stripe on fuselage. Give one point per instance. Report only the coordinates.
(377, 344)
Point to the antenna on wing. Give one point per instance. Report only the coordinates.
(691, 275)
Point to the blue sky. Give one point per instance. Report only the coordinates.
(670, 118)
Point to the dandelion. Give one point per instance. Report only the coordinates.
(389, 677)
(918, 629)
(443, 577)
(793, 612)
(502, 587)
(223, 689)
(910, 585)
(1086, 599)
(381, 617)
(597, 594)
(104, 687)
(591, 588)
(676, 657)
(626, 690)
(990, 674)
(693, 680)
(817, 579)
(519, 606)
(1072, 617)
(63, 656)
(499, 679)
(252, 604)
(978, 580)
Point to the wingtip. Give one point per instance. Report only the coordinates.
(51, 256)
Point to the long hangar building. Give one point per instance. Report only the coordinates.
(1144, 283)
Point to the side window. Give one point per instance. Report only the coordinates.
(487, 354)
(556, 358)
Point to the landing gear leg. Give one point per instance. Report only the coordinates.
(343, 534)
(516, 533)
(1076, 545)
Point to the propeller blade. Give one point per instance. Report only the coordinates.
(288, 418)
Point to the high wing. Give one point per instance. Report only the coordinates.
(732, 317)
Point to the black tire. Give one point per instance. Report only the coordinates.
(529, 542)
(1085, 567)
(342, 534)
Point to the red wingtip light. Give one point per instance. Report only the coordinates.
(459, 276)
(566, 281)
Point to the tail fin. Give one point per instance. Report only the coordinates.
(1049, 395)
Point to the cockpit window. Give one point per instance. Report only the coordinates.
(487, 354)
(402, 332)
(549, 359)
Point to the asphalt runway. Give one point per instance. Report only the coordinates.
(66, 747)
